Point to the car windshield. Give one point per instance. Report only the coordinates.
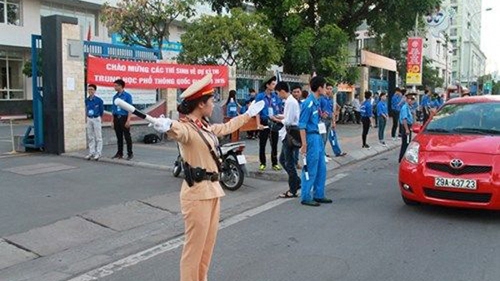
(472, 118)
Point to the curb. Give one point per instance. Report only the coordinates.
(266, 175)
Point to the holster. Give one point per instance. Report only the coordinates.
(197, 174)
(187, 174)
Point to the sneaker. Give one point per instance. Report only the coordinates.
(383, 143)
(394, 139)
(323, 200)
(88, 157)
(117, 156)
(96, 157)
(130, 156)
(262, 167)
(327, 159)
(277, 167)
(310, 203)
(366, 146)
(341, 154)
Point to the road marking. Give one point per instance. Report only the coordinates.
(175, 243)
(335, 178)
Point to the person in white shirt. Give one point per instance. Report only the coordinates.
(290, 137)
(357, 108)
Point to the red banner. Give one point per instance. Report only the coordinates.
(148, 75)
(414, 61)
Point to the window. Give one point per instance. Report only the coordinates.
(11, 76)
(438, 50)
(453, 32)
(10, 12)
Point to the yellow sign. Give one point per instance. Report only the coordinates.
(414, 78)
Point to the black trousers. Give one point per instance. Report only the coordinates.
(120, 131)
(357, 114)
(426, 115)
(366, 127)
(273, 137)
(395, 123)
(405, 141)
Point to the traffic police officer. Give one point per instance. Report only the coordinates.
(314, 170)
(201, 190)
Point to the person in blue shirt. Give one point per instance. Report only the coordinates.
(366, 115)
(251, 97)
(327, 111)
(375, 100)
(231, 107)
(406, 120)
(314, 170)
(94, 108)
(382, 117)
(121, 120)
(267, 123)
(396, 103)
(426, 105)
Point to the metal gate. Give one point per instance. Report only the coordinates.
(99, 49)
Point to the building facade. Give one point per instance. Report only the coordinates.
(468, 61)
(438, 50)
(19, 19)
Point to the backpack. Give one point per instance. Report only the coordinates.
(151, 138)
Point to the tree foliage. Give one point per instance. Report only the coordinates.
(430, 75)
(303, 27)
(239, 39)
(145, 22)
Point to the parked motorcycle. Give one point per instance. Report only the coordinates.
(233, 165)
(347, 114)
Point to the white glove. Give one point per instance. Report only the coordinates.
(162, 124)
(255, 108)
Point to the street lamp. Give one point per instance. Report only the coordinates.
(470, 43)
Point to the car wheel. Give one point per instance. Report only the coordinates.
(409, 202)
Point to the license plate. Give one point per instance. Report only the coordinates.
(241, 159)
(455, 183)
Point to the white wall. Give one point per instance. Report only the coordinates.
(20, 36)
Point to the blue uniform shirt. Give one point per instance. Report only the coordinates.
(309, 115)
(396, 99)
(326, 104)
(382, 108)
(406, 114)
(124, 96)
(94, 107)
(366, 109)
(272, 107)
(435, 103)
(426, 101)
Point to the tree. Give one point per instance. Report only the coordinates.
(239, 39)
(430, 75)
(300, 24)
(145, 22)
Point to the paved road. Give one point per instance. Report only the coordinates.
(367, 234)
(30, 201)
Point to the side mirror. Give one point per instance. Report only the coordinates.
(417, 128)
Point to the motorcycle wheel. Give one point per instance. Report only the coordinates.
(177, 167)
(232, 175)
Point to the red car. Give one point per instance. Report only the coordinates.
(455, 158)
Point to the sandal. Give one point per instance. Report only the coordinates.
(287, 194)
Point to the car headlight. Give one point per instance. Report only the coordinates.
(411, 154)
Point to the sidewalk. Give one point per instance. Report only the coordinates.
(163, 155)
